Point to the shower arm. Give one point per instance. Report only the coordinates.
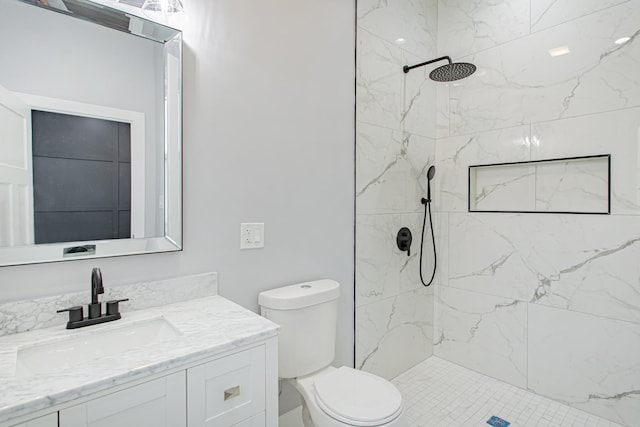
(407, 68)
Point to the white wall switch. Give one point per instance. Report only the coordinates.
(251, 235)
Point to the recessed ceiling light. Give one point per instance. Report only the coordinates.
(622, 40)
(400, 40)
(559, 51)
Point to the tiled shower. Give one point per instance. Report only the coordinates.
(546, 302)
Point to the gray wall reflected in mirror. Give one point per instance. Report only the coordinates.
(76, 68)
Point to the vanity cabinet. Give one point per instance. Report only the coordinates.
(235, 390)
(50, 420)
(160, 402)
(257, 421)
(226, 391)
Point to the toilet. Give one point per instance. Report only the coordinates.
(332, 397)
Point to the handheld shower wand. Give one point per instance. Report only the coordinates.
(427, 208)
(430, 174)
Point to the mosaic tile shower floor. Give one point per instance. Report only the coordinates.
(437, 393)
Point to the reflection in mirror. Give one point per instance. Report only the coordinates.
(90, 132)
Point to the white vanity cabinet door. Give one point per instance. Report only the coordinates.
(50, 420)
(156, 403)
(227, 391)
(257, 421)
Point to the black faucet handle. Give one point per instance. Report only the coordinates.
(112, 306)
(75, 313)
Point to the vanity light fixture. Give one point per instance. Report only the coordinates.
(153, 8)
(622, 40)
(559, 51)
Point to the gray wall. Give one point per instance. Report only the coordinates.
(268, 137)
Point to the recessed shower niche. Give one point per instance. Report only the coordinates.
(580, 185)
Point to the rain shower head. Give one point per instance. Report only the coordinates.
(452, 72)
(447, 73)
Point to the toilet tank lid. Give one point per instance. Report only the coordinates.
(300, 295)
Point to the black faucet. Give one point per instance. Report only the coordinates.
(95, 316)
(95, 308)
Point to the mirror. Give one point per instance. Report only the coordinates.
(90, 133)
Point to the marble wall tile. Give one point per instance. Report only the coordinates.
(440, 223)
(503, 188)
(584, 263)
(409, 270)
(378, 152)
(415, 21)
(379, 81)
(419, 108)
(573, 186)
(27, 315)
(395, 334)
(390, 170)
(378, 259)
(547, 13)
(466, 27)
(442, 111)
(420, 153)
(481, 332)
(616, 133)
(587, 362)
(382, 270)
(494, 255)
(597, 269)
(385, 95)
(395, 145)
(520, 82)
(454, 155)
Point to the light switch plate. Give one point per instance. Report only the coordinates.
(251, 235)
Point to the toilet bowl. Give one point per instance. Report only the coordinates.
(341, 397)
(332, 397)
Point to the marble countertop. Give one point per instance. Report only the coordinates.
(206, 327)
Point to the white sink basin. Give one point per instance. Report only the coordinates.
(57, 355)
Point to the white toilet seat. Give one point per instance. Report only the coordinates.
(357, 398)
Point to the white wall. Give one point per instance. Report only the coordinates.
(546, 302)
(268, 137)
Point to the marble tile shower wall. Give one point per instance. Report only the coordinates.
(546, 302)
(395, 144)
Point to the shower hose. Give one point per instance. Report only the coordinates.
(427, 208)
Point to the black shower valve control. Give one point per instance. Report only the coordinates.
(403, 240)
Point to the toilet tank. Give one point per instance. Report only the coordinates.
(307, 315)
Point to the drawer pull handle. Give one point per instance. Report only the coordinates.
(232, 392)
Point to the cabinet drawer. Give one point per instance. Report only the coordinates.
(50, 420)
(156, 403)
(255, 421)
(228, 390)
